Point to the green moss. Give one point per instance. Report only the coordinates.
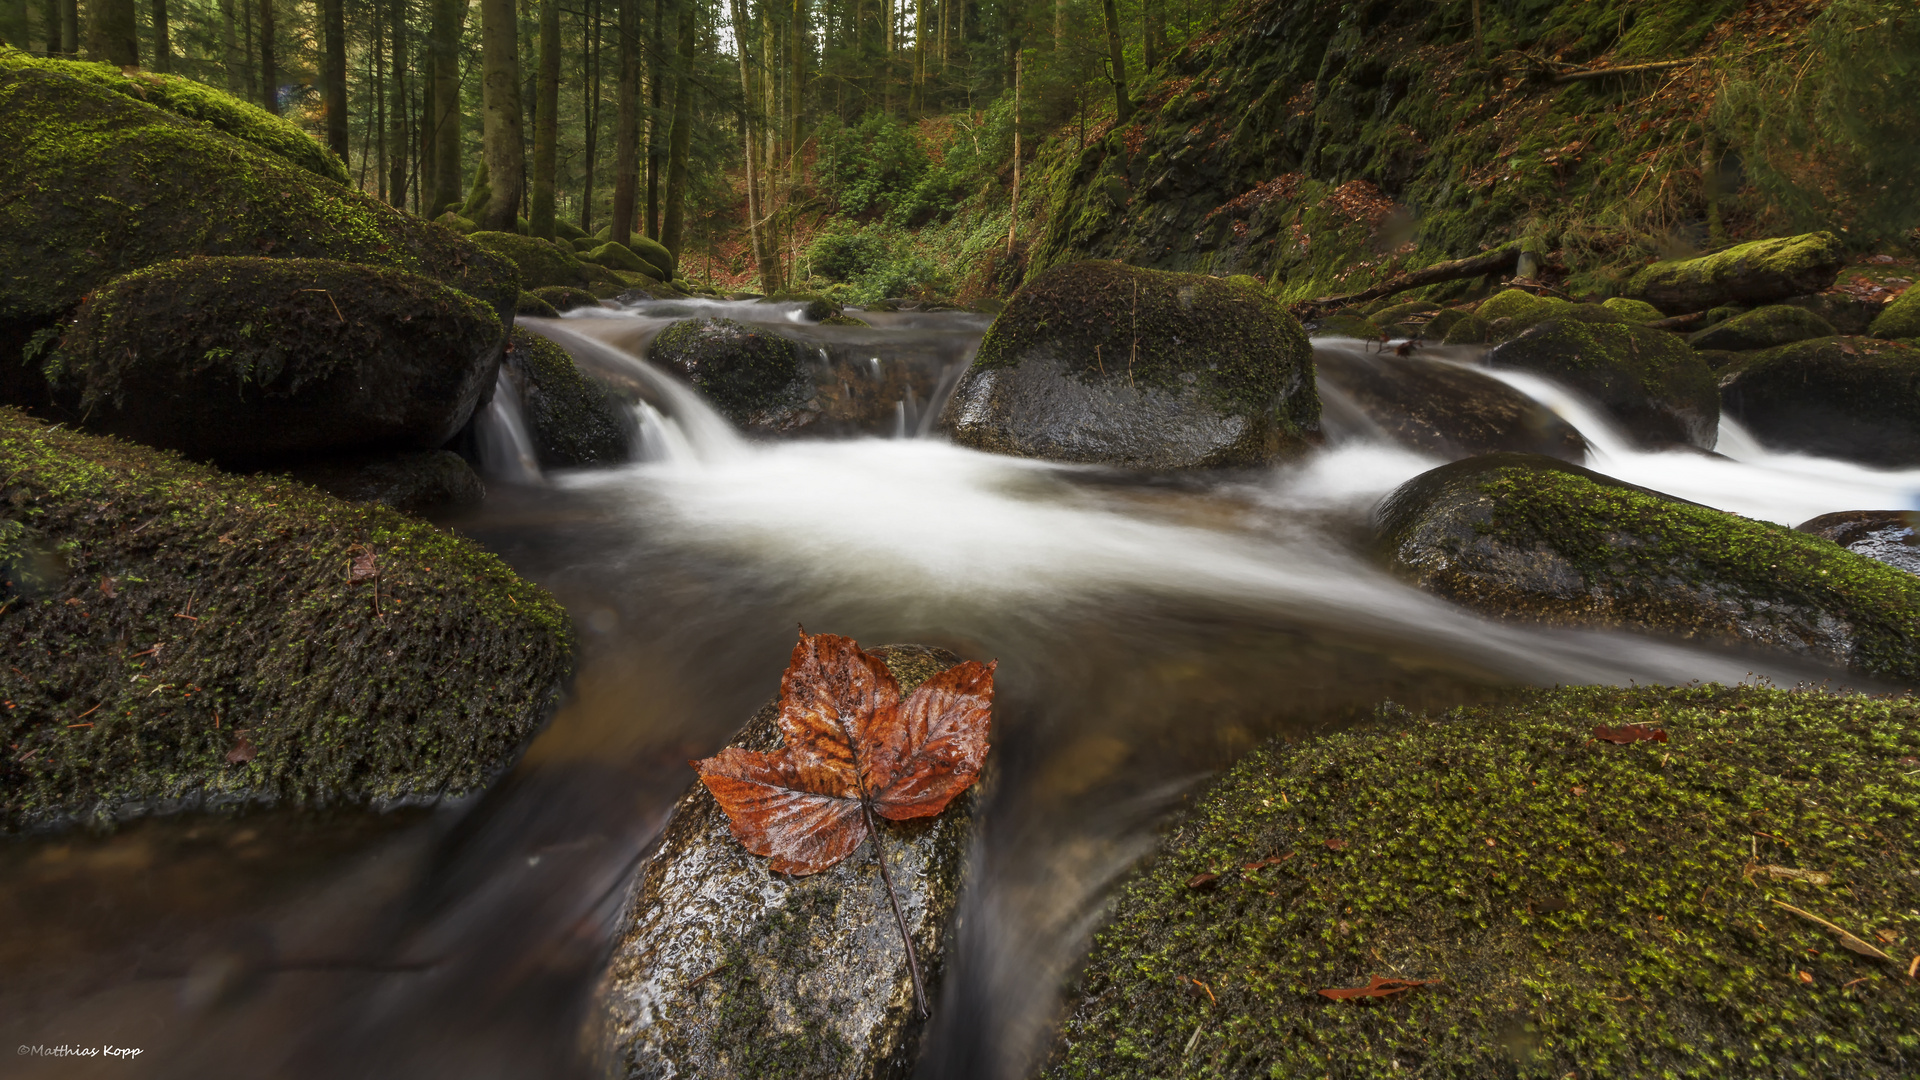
(542, 264)
(619, 257)
(1472, 330)
(196, 101)
(1586, 909)
(1900, 318)
(664, 265)
(1762, 328)
(564, 298)
(1632, 310)
(1352, 326)
(1521, 306)
(762, 1043)
(572, 419)
(1758, 272)
(196, 605)
(529, 304)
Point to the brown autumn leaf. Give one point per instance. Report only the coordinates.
(853, 748)
(1203, 881)
(364, 567)
(1377, 987)
(242, 749)
(107, 587)
(1629, 733)
(1336, 845)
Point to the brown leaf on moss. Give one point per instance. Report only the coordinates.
(1336, 845)
(1377, 987)
(242, 749)
(1204, 881)
(1629, 733)
(364, 568)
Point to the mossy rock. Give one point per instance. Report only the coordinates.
(1401, 312)
(1347, 326)
(752, 375)
(584, 244)
(572, 420)
(814, 307)
(843, 320)
(103, 184)
(1900, 318)
(1104, 363)
(1845, 312)
(1761, 272)
(1646, 380)
(1471, 330)
(1537, 539)
(541, 264)
(244, 359)
(665, 266)
(564, 298)
(1632, 310)
(1889, 536)
(1522, 307)
(1438, 408)
(1435, 328)
(567, 230)
(1718, 315)
(1579, 908)
(618, 257)
(1762, 328)
(287, 684)
(457, 223)
(412, 483)
(196, 101)
(1854, 398)
(531, 305)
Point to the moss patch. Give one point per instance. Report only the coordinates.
(1899, 319)
(531, 305)
(542, 264)
(1754, 273)
(1762, 328)
(1646, 379)
(1632, 310)
(189, 606)
(1590, 909)
(564, 298)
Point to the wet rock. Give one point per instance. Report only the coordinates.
(1845, 312)
(1436, 327)
(542, 263)
(1632, 310)
(1891, 536)
(1900, 318)
(244, 359)
(1761, 272)
(1442, 408)
(754, 376)
(1471, 330)
(1853, 398)
(817, 308)
(572, 420)
(1401, 312)
(1520, 308)
(1646, 380)
(531, 305)
(726, 971)
(1103, 363)
(224, 633)
(566, 299)
(1762, 328)
(1535, 539)
(410, 483)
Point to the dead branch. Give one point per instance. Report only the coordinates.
(1493, 262)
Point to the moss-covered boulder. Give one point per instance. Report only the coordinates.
(1471, 330)
(1521, 308)
(1900, 318)
(530, 305)
(618, 257)
(727, 971)
(1344, 325)
(1536, 539)
(1576, 908)
(754, 376)
(411, 482)
(1100, 362)
(542, 264)
(1437, 408)
(1762, 328)
(1646, 380)
(1844, 311)
(1632, 310)
(193, 638)
(1761, 272)
(664, 266)
(564, 298)
(1854, 398)
(196, 101)
(243, 359)
(1890, 536)
(99, 183)
(572, 420)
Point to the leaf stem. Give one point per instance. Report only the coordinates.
(913, 963)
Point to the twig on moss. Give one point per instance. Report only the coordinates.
(913, 961)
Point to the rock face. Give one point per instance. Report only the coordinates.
(1647, 380)
(243, 359)
(1102, 363)
(754, 376)
(1762, 272)
(1900, 318)
(1762, 328)
(1537, 539)
(287, 684)
(727, 971)
(572, 420)
(1853, 398)
(1438, 407)
(1890, 536)
(1502, 852)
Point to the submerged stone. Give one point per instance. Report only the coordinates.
(724, 970)
(1440, 408)
(1646, 380)
(1535, 539)
(572, 420)
(1103, 363)
(1761, 272)
(1577, 908)
(1853, 398)
(1891, 536)
(1762, 328)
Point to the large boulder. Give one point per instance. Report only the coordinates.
(1574, 908)
(752, 375)
(1537, 539)
(1761, 272)
(189, 638)
(98, 183)
(243, 359)
(1661, 392)
(1891, 536)
(1762, 328)
(620, 257)
(1854, 398)
(1440, 408)
(1900, 318)
(572, 420)
(542, 263)
(725, 970)
(1103, 363)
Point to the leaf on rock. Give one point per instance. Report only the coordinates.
(1203, 881)
(1377, 987)
(851, 743)
(242, 749)
(1629, 733)
(364, 568)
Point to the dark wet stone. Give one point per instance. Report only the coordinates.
(726, 971)
(1648, 381)
(409, 483)
(571, 419)
(754, 376)
(1891, 536)
(1442, 408)
(1853, 398)
(564, 298)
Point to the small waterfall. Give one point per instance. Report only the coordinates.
(676, 423)
(506, 451)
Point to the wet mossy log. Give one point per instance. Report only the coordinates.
(1582, 909)
(1761, 272)
(177, 637)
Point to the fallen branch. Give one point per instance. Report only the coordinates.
(1625, 69)
(1493, 262)
(1678, 323)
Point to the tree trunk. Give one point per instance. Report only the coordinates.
(797, 45)
(113, 33)
(673, 217)
(246, 14)
(501, 145)
(627, 124)
(1154, 47)
(763, 261)
(917, 96)
(443, 120)
(162, 42)
(235, 59)
(269, 77)
(51, 17)
(1122, 104)
(70, 27)
(397, 109)
(1013, 218)
(333, 15)
(590, 107)
(655, 49)
(377, 123)
(546, 121)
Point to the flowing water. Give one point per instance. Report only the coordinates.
(1148, 628)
